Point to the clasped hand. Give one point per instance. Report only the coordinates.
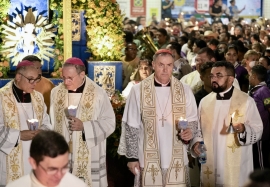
(239, 127)
(186, 134)
(27, 135)
(75, 124)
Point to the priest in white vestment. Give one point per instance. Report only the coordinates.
(193, 79)
(20, 103)
(49, 154)
(150, 139)
(81, 111)
(229, 155)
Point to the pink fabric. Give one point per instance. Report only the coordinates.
(24, 63)
(75, 61)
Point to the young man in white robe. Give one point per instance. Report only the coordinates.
(20, 103)
(229, 155)
(81, 111)
(150, 139)
(49, 161)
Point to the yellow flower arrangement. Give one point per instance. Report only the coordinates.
(104, 30)
(4, 65)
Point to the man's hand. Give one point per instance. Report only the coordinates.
(132, 165)
(75, 124)
(186, 134)
(27, 135)
(195, 148)
(239, 127)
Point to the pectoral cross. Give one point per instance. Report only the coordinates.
(162, 119)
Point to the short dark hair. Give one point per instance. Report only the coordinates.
(128, 36)
(213, 42)
(209, 52)
(163, 31)
(184, 38)
(225, 27)
(231, 46)
(260, 71)
(228, 66)
(176, 46)
(200, 43)
(31, 58)
(267, 59)
(205, 66)
(48, 143)
(260, 178)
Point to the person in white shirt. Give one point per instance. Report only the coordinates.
(49, 160)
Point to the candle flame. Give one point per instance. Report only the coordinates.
(233, 115)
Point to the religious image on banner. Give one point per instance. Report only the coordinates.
(137, 8)
(28, 32)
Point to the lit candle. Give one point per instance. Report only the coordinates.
(183, 123)
(72, 110)
(32, 124)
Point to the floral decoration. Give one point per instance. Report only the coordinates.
(4, 64)
(104, 29)
(118, 103)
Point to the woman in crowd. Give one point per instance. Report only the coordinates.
(215, 10)
(143, 71)
(231, 55)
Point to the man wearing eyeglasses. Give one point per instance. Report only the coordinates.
(49, 161)
(22, 117)
(229, 150)
(81, 111)
(44, 86)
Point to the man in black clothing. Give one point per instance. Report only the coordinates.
(205, 71)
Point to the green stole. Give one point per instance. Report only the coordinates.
(233, 149)
(152, 173)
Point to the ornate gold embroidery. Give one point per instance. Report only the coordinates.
(177, 166)
(208, 172)
(81, 163)
(234, 146)
(154, 172)
(148, 109)
(12, 120)
(237, 115)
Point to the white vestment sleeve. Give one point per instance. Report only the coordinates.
(131, 122)
(253, 125)
(8, 137)
(198, 134)
(98, 130)
(45, 125)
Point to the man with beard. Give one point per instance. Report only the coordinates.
(229, 155)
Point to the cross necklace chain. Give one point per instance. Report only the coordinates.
(25, 113)
(164, 118)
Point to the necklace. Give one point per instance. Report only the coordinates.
(164, 118)
(25, 113)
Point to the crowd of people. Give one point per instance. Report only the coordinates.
(201, 79)
(227, 70)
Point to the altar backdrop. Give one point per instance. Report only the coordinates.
(20, 7)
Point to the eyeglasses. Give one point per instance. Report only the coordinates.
(218, 76)
(69, 79)
(53, 171)
(31, 80)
